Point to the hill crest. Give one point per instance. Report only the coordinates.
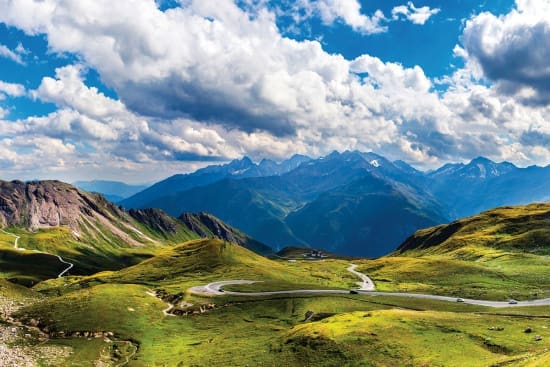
(518, 228)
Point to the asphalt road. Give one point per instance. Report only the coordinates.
(366, 289)
(498, 304)
(367, 284)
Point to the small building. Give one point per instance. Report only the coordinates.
(315, 254)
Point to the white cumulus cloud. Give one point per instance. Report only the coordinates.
(513, 49)
(349, 11)
(11, 89)
(413, 14)
(211, 81)
(14, 55)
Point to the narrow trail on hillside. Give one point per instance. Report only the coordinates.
(129, 357)
(16, 246)
(15, 243)
(64, 262)
(167, 310)
(367, 289)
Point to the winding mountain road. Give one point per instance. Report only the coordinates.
(367, 288)
(496, 304)
(367, 284)
(214, 289)
(16, 246)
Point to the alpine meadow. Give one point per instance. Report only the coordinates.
(312, 183)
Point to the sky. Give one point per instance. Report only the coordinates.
(138, 90)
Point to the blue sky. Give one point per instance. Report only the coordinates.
(138, 90)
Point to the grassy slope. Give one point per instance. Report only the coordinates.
(125, 241)
(498, 254)
(17, 293)
(358, 331)
(89, 253)
(273, 332)
(408, 338)
(202, 261)
(522, 228)
(30, 267)
(21, 345)
(85, 229)
(225, 336)
(66, 352)
(88, 304)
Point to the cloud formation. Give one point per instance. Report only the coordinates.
(209, 61)
(11, 89)
(14, 55)
(413, 14)
(349, 12)
(211, 81)
(514, 49)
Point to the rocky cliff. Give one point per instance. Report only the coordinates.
(45, 204)
(207, 225)
(95, 221)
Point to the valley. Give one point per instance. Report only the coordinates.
(344, 202)
(274, 183)
(272, 329)
(473, 292)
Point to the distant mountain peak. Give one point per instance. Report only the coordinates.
(482, 160)
(244, 161)
(334, 154)
(265, 161)
(478, 168)
(296, 201)
(483, 168)
(240, 166)
(299, 156)
(487, 161)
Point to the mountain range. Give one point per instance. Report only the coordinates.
(351, 203)
(242, 168)
(93, 233)
(467, 189)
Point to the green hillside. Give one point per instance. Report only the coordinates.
(144, 315)
(272, 331)
(410, 338)
(517, 229)
(498, 254)
(53, 218)
(198, 262)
